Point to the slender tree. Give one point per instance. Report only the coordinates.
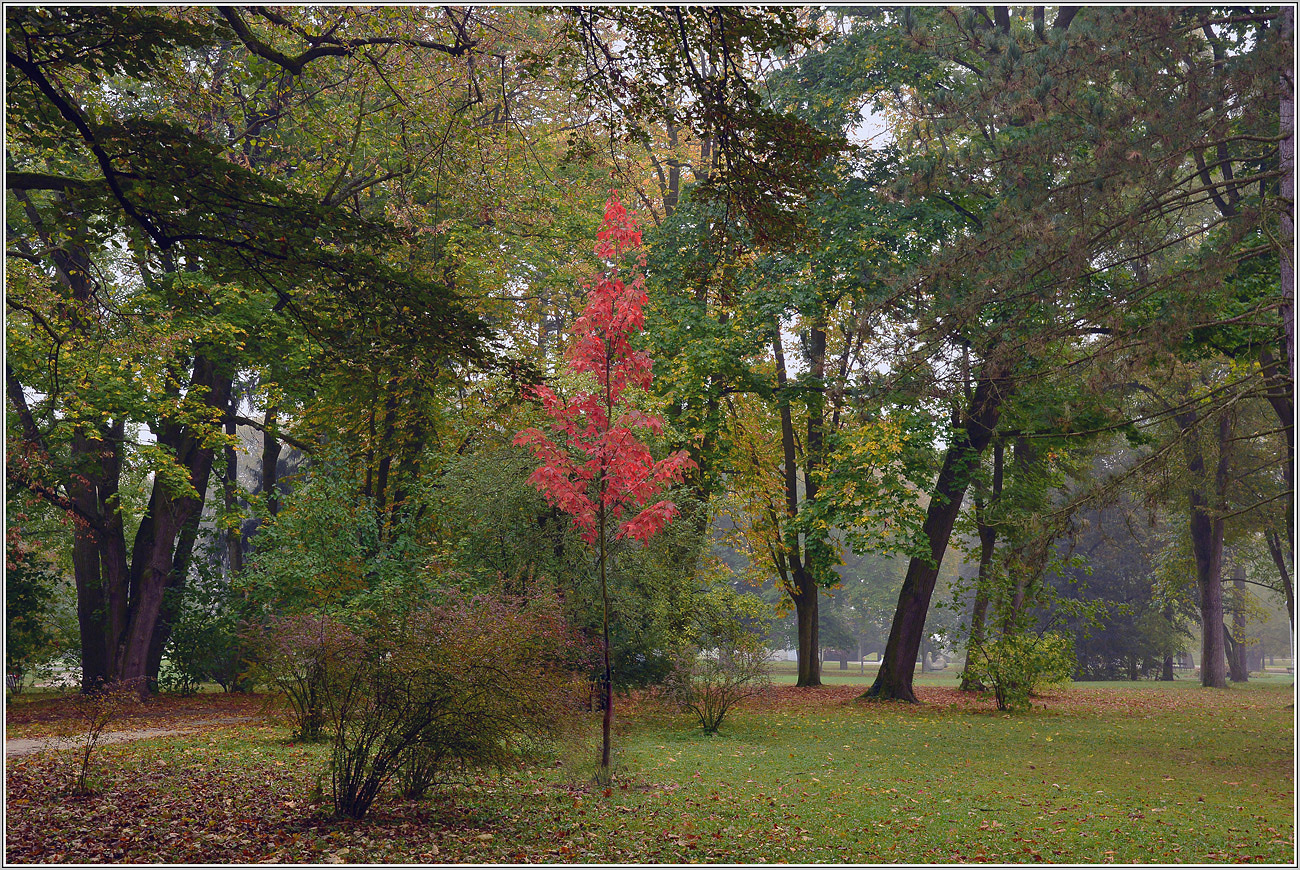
(598, 471)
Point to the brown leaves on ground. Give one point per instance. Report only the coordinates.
(1139, 699)
(242, 794)
(183, 809)
(40, 718)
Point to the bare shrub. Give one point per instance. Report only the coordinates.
(92, 714)
(302, 656)
(711, 682)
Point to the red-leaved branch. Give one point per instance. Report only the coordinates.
(594, 457)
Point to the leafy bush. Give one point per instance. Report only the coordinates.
(726, 665)
(325, 547)
(439, 690)
(1016, 666)
(31, 589)
(206, 641)
(305, 657)
(177, 677)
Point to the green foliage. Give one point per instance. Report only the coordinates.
(728, 660)
(1144, 608)
(329, 544)
(209, 640)
(31, 585)
(1018, 665)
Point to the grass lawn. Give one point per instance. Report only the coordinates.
(1145, 773)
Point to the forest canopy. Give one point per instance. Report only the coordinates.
(971, 329)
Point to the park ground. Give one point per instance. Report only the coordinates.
(1094, 773)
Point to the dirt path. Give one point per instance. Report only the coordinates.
(20, 746)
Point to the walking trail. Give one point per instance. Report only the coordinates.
(19, 746)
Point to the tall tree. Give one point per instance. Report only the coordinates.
(150, 265)
(1068, 199)
(599, 469)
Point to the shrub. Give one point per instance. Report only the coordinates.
(31, 587)
(306, 657)
(728, 663)
(1016, 666)
(440, 690)
(206, 641)
(175, 677)
(93, 712)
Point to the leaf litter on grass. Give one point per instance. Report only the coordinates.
(800, 776)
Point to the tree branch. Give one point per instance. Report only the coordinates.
(261, 427)
(72, 115)
(18, 397)
(45, 181)
(326, 45)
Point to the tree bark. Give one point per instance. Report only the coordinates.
(159, 552)
(803, 587)
(806, 577)
(271, 461)
(1206, 531)
(100, 568)
(1167, 666)
(1279, 559)
(988, 536)
(1279, 391)
(805, 600)
(230, 490)
(894, 680)
(1238, 671)
(607, 720)
(1286, 220)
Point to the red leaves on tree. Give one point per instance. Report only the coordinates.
(598, 459)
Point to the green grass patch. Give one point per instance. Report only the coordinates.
(1153, 773)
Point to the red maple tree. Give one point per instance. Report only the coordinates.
(595, 468)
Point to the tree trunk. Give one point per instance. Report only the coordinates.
(230, 491)
(988, 536)
(161, 551)
(1238, 671)
(1167, 669)
(271, 461)
(1279, 391)
(607, 720)
(100, 568)
(99, 553)
(803, 590)
(1207, 546)
(1206, 531)
(1279, 559)
(894, 680)
(172, 595)
(1286, 222)
(805, 600)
